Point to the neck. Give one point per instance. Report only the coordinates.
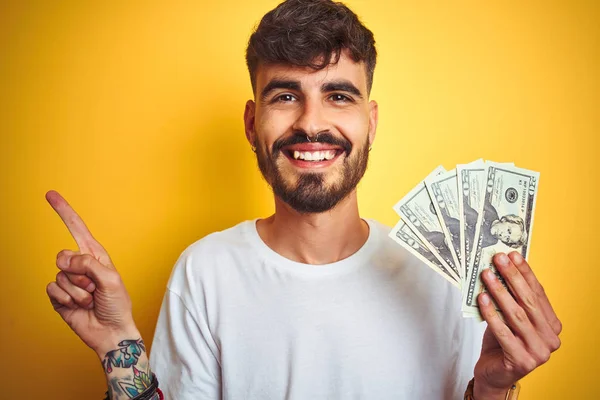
(321, 238)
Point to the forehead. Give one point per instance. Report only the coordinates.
(345, 68)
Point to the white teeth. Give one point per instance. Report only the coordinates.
(314, 156)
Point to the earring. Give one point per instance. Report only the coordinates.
(253, 148)
(370, 148)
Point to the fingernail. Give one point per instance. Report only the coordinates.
(66, 262)
(90, 287)
(502, 260)
(485, 299)
(489, 274)
(517, 257)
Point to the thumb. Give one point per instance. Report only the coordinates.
(86, 264)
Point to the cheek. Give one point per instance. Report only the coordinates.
(354, 126)
(270, 126)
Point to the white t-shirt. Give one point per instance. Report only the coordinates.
(240, 321)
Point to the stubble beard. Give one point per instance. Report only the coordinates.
(310, 194)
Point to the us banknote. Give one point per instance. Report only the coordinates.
(505, 222)
(471, 180)
(418, 212)
(404, 236)
(443, 191)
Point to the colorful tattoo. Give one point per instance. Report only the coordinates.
(141, 382)
(125, 356)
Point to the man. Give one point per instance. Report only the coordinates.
(312, 302)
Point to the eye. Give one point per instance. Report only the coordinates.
(340, 98)
(285, 98)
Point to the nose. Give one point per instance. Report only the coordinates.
(312, 119)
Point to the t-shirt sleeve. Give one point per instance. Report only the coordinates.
(183, 355)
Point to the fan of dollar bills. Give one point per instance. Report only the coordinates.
(455, 221)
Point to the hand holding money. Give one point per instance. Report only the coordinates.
(102, 318)
(526, 336)
(462, 223)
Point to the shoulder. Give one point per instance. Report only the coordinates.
(211, 255)
(219, 243)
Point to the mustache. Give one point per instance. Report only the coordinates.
(325, 137)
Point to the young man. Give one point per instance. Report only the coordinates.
(312, 302)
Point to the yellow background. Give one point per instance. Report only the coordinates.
(134, 113)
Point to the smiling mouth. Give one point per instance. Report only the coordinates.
(314, 155)
(311, 156)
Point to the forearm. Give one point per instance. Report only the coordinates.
(127, 369)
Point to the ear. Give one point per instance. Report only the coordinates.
(249, 113)
(373, 120)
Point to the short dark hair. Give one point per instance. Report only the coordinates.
(310, 33)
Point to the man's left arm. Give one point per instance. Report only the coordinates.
(524, 339)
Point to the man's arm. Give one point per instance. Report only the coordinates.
(91, 298)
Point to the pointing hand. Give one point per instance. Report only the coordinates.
(88, 292)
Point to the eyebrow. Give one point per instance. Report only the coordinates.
(341, 86)
(334, 86)
(279, 84)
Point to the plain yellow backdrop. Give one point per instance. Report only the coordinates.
(133, 111)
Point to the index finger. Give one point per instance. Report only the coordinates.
(83, 237)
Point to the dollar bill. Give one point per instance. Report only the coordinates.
(404, 236)
(418, 212)
(471, 180)
(443, 191)
(505, 222)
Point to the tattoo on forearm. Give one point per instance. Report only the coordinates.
(126, 356)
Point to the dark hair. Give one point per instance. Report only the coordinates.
(310, 33)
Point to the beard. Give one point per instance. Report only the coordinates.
(310, 194)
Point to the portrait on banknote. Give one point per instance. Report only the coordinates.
(509, 229)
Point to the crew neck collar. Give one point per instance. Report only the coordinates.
(349, 263)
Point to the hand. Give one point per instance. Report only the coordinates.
(514, 348)
(102, 318)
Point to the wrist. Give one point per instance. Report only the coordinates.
(481, 391)
(110, 342)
